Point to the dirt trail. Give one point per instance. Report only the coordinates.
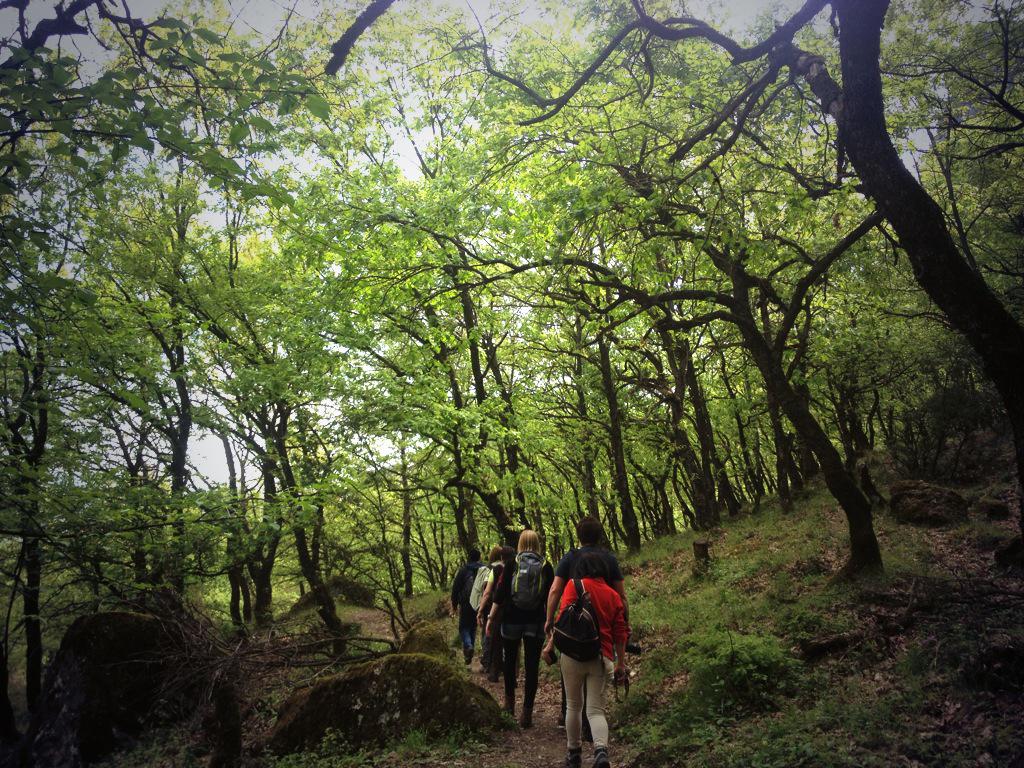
(542, 746)
(373, 622)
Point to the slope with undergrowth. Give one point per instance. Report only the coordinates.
(766, 661)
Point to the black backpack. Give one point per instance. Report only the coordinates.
(577, 633)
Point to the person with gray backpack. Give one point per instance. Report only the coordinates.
(521, 596)
(462, 590)
(479, 599)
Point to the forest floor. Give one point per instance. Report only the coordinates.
(765, 660)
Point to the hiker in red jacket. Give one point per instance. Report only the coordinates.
(597, 675)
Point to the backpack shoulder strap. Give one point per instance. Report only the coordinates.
(578, 582)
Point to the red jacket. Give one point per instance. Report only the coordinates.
(611, 617)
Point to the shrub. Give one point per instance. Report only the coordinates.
(731, 674)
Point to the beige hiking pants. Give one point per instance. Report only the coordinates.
(595, 675)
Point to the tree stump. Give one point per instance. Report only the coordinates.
(701, 556)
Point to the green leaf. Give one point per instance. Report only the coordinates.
(207, 34)
(142, 141)
(318, 106)
(262, 124)
(238, 133)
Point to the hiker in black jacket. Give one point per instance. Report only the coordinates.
(520, 601)
(462, 587)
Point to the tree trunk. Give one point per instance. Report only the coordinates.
(261, 566)
(322, 597)
(8, 725)
(33, 625)
(939, 267)
(864, 551)
(263, 595)
(710, 478)
(781, 447)
(630, 526)
(406, 526)
(236, 571)
(586, 445)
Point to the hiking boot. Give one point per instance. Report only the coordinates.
(510, 706)
(601, 758)
(574, 758)
(526, 719)
(467, 654)
(494, 676)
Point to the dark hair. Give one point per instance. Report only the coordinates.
(591, 565)
(508, 555)
(589, 531)
(474, 555)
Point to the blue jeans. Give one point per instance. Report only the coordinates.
(468, 635)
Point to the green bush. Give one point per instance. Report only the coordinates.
(731, 674)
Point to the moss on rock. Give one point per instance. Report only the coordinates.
(104, 679)
(918, 503)
(342, 589)
(382, 700)
(426, 638)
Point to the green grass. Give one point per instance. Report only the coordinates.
(722, 684)
(416, 746)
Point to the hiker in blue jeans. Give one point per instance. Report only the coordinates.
(462, 587)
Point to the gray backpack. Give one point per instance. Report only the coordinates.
(479, 585)
(528, 582)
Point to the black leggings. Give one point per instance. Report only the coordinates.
(532, 647)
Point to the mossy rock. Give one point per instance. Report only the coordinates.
(428, 639)
(992, 508)
(383, 700)
(105, 678)
(342, 589)
(918, 503)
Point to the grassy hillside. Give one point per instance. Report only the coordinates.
(764, 661)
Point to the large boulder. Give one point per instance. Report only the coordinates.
(426, 638)
(382, 700)
(919, 503)
(342, 589)
(105, 677)
(992, 508)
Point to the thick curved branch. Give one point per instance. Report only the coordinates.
(64, 23)
(341, 49)
(671, 29)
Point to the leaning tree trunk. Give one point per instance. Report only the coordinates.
(864, 551)
(939, 267)
(630, 525)
(322, 597)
